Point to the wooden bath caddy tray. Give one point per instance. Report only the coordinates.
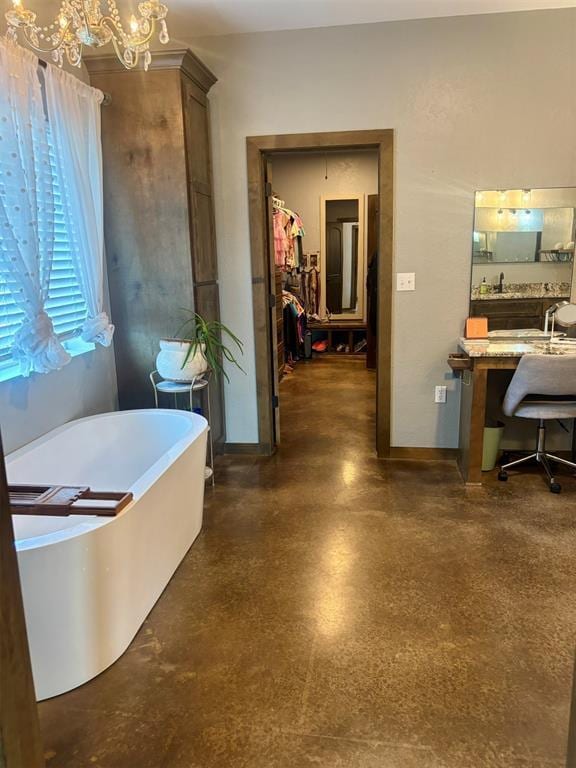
(63, 500)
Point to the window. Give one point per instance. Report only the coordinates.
(52, 273)
(65, 306)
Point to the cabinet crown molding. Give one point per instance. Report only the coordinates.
(182, 59)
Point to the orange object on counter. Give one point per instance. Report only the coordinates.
(477, 328)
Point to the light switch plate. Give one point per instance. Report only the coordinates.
(405, 281)
(440, 394)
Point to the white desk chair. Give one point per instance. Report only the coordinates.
(543, 387)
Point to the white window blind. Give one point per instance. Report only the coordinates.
(65, 306)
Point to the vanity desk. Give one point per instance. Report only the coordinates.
(474, 361)
(523, 246)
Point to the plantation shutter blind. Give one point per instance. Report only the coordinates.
(65, 305)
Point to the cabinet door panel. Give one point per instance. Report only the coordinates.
(202, 228)
(207, 304)
(204, 266)
(196, 128)
(514, 323)
(507, 307)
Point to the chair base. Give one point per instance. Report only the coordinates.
(542, 457)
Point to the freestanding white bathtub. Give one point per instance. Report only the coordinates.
(89, 582)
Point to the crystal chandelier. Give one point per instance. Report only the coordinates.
(94, 23)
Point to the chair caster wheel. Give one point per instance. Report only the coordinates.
(502, 475)
(555, 487)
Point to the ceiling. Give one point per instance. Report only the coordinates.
(193, 18)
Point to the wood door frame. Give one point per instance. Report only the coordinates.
(259, 148)
(20, 737)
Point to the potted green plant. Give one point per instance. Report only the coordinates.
(197, 345)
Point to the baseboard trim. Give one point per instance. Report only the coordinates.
(247, 449)
(420, 454)
(424, 454)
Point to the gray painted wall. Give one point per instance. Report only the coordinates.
(476, 102)
(31, 407)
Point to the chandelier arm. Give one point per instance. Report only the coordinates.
(120, 54)
(109, 23)
(77, 60)
(58, 44)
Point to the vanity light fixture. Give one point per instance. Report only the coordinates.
(500, 212)
(526, 195)
(527, 212)
(94, 23)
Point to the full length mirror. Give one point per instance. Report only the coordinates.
(343, 254)
(522, 254)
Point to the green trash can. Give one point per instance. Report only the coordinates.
(492, 440)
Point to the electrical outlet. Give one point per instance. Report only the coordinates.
(405, 281)
(439, 394)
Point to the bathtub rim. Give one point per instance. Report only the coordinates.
(138, 489)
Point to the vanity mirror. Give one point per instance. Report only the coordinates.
(522, 254)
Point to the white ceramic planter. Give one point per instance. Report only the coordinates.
(171, 359)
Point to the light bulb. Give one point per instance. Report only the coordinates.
(63, 21)
(17, 3)
(134, 26)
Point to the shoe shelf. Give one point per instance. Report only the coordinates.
(343, 338)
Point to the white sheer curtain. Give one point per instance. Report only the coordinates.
(74, 115)
(27, 208)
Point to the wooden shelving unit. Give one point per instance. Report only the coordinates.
(559, 256)
(345, 332)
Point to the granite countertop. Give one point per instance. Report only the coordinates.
(524, 291)
(517, 348)
(519, 295)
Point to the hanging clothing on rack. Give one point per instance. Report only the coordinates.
(294, 318)
(313, 291)
(288, 233)
(297, 232)
(293, 281)
(311, 284)
(281, 239)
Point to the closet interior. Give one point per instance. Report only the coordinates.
(324, 220)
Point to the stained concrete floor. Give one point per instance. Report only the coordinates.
(341, 612)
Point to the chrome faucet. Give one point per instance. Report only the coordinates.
(500, 287)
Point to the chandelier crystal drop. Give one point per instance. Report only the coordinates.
(94, 23)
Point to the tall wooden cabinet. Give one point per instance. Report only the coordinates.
(159, 211)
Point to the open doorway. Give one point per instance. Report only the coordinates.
(340, 188)
(322, 258)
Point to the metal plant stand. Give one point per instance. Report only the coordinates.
(198, 384)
